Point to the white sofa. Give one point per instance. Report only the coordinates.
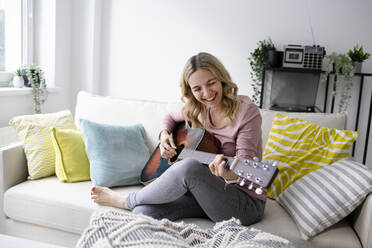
(55, 212)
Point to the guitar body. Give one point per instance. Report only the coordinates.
(193, 139)
(254, 176)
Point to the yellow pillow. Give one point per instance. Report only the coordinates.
(72, 164)
(34, 131)
(301, 147)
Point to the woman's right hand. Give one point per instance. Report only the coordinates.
(167, 146)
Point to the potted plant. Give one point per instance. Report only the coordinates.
(18, 81)
(258, 61)
(357, 55)
(341, 65)
(34, 78)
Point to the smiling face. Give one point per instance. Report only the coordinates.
(206, 88)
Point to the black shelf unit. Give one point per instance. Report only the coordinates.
(312, 71)
(285, 69)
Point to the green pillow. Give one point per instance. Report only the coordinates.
(72, 164)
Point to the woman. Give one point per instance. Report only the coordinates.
(187, 188)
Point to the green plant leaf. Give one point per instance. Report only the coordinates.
(258, 61)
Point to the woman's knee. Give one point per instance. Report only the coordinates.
(188, 167)
(254, 216)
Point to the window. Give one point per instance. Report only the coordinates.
(16, 21)
(15, 33)
(2, 38)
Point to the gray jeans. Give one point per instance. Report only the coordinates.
(188, 189)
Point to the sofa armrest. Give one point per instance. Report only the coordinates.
(13, 166)
(13, 170)
(361, 221)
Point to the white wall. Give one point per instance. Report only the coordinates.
(146, 43)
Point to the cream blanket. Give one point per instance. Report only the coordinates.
(123, 229)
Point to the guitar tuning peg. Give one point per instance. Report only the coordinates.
(242, 182)
(255, 159)
(259, 191)
(250, 187)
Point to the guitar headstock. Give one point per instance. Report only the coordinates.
(254, 175)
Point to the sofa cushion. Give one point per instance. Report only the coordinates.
(117, 154)
(118, 111)
(72, 164)
(337, 121)
(48, 202)
(68, 207)
(277, 221)
(324, 197)
(301, 147)
(34, 131)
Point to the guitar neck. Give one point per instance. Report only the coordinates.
(202, 157)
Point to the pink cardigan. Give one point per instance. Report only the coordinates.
(242, 138)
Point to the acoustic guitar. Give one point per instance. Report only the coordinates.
(254, 176)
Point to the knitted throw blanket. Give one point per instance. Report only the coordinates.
(123, 229)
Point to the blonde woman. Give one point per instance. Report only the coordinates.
(188, 189)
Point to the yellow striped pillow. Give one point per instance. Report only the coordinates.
(301, 147)
(34, 130)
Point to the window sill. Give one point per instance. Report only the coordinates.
(9, 91)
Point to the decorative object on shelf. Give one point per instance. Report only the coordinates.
(274, 58)
(18, 81)
(343, 66)
(34, 78)
(357, 55)
(306, 57)
(257, 61)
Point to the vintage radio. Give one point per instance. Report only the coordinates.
(307, 57)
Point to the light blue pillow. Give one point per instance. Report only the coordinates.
(117, 154)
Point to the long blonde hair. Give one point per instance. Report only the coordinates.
(193, 108)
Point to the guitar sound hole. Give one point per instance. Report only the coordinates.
(178, 151)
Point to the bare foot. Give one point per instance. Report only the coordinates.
(108, 197)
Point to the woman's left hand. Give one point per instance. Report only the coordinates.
(217, 167)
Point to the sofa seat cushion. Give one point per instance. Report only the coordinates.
(64, 206)
(277, 221)
(48, 202)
